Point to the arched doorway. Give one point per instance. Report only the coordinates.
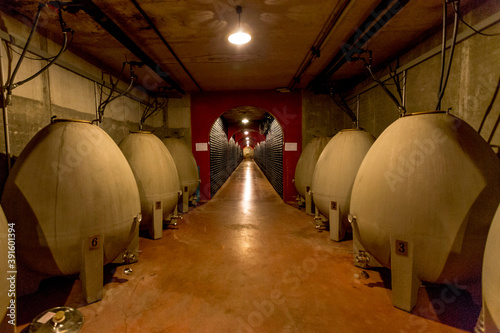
(286, 108)
(245, 126)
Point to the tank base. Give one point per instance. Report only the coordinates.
(156, 227)
(184, 207)
(92, 271)
(405, 283)
(337, 227)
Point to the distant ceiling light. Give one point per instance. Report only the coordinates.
(239, 37)
(244, 121)
(246, 132)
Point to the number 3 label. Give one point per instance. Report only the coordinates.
(401, 247)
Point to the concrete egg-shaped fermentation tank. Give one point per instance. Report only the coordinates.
(490, 314)
(155, 172)
(185, 164)
(70, 183)
(248, 152)
(423, 201)
(305, 168)
(334, 176)
(5, 265)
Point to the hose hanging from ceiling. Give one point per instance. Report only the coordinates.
(368, 65)
(10, 85)
(159, 103)
(344, 106)
(442, 85)
(109, 99)
(6, 90)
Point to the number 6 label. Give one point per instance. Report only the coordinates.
(94, 242)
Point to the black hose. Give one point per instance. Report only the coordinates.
(61, 51)
(102, 105)
(395, 78)
(382, 85)
(452, 51)
(344, 108)
(126, 91)
(443, 50)
(10, 81)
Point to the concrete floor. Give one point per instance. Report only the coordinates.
(247, 262)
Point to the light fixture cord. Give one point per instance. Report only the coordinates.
(239, 10)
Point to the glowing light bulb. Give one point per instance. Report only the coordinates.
(239, 38)
(244, 121)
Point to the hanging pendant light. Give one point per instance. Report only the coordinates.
(239, 37)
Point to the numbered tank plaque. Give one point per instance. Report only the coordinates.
(94, 242)
(158, 205)
(334, 205)
(401, 248)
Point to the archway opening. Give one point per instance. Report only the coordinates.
(246, 126)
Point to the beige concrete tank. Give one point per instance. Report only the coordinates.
(491, 279)
(184, 162)
(334, 175)
(423, 201)
(155, 172)
(4, 265)
(248, 152)
(306, 164)
(70, 183)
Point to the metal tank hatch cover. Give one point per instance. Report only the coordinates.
(58, 319)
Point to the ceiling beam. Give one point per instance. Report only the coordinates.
(158, 33)
(105, 22)
(382, 14)
(336, 16)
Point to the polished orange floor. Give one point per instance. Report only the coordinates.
(247, 262)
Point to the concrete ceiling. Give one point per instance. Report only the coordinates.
(283, 32)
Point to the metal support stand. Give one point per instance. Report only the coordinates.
(92, 270)
(131, 254)
(405, 282)
(362, 258)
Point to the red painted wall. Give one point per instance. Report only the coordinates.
(285, 107)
